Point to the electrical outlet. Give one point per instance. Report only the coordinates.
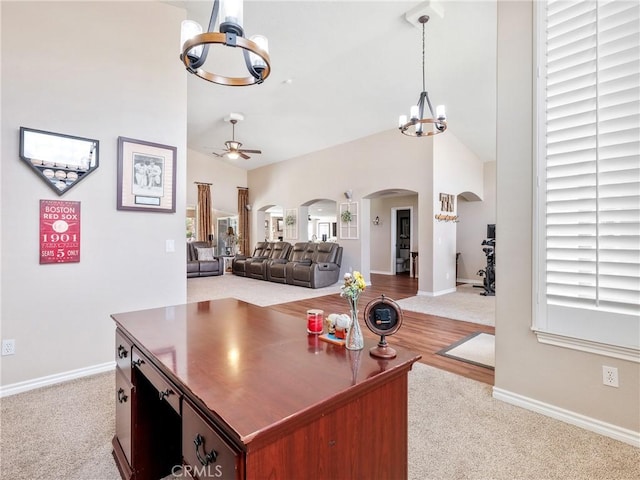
(610, 376)
(8, 347)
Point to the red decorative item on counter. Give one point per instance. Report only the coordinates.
(315, 321)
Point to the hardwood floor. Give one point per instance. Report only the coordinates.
(421, 333)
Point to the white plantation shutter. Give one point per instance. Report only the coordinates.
(589, 175)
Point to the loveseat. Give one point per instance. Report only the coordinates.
(306, 264)
(201, 262)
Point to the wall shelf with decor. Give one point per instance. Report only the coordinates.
(291, 223)
(348, 220)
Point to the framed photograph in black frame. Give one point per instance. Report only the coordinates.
(146, 176)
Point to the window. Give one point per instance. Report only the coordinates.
(291, 223)
(191, 229)
(588, 210)
(348, 220)
(191, 224)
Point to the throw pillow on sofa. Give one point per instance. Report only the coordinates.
(205, 254)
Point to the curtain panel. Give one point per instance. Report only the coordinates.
(243, 221)
(204, 228)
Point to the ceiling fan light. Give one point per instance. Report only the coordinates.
(233, 155)
(188, 30)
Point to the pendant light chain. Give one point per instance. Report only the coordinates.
(435, 122)
(423, 62)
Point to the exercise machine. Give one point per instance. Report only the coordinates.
(489, 273)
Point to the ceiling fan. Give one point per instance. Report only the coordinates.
(234, 150)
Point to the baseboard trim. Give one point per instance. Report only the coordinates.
(381, 272)
(19, 387)
(436, 294)
(607, 429)
(469, 280)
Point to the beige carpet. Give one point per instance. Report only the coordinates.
(465, 303)
(258, 292)
(478, 348)
(456, 431)
(60, 432)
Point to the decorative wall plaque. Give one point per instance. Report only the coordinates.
(60, 160)
(59, 231)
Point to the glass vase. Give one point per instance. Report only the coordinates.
(354, 341)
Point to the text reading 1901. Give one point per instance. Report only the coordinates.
(59, 231)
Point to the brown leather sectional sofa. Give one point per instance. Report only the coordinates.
(306, 264)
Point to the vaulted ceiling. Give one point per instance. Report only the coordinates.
(345, 70)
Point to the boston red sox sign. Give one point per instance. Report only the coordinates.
(59, 231)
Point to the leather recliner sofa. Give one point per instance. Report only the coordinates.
(256, 267)
(202, 268)
(306, 264)
(239, 262)
(318, 267)
(276, 272)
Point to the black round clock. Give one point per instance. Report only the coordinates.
(383, 317)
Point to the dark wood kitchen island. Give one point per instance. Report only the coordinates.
(227, 389)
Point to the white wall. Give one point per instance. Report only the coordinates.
(456, 169)
(385, 161)
(473, 218)
(224, 179)
(362, 166)
(567, 383)
(84, 69)
(424, 165)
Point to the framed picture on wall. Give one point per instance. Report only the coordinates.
(146, 176)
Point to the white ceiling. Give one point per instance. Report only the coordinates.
(345, 70)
